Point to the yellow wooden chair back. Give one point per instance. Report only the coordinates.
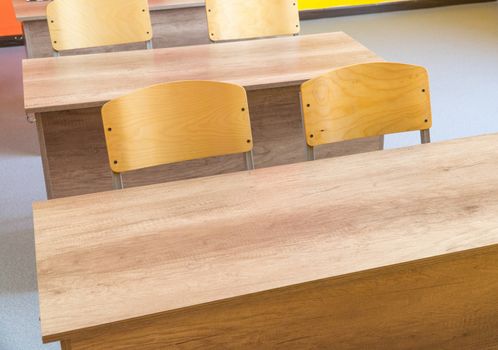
(174, 122)
(248, 19)
(363, 100)
(78, 24)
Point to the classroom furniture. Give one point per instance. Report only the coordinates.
(242, 19)
(388, 250)
(174, 22)
(183, 22)
(66, 101)
(365, 100)
(81, 24)
(175, 122)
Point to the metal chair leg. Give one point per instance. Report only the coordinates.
(249, 160)
(310, 152)
(117, 181)
(382, 139)
(148, 44)
(425, 136)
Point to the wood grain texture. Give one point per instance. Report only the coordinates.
(446, 303)
(63, 83)
(34, 11)
(364, 100)
(77, 24)
(179, 27)
(241, 19)
(76, 159)
(175, 122)
(172, 27)
(101, 261)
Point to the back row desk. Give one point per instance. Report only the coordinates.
(66, 95)
(175, 23)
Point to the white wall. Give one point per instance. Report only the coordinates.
(459, 47)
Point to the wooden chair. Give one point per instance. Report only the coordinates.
(175, 122)
(79, 24)
(363, 100)
(249, 19)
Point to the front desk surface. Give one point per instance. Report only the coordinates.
(387, 250)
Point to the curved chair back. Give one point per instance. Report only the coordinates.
(79, 24)
(249, 19)
(364, 100)
(175, 122)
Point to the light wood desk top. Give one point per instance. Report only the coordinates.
(36, 10)
(119, 255)
(72, 82)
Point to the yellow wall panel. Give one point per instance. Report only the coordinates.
(320, 4)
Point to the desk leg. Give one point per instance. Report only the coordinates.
(28, 39)
(37, 39)
(445, 302)
(66, 345)
(43, 154)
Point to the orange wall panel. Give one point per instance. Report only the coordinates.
(8, 23)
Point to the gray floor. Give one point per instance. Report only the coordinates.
(459, 46)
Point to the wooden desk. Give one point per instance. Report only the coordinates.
(175, 23)
(388, 250)
(66, 94)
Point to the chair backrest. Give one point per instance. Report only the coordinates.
(363, 100)
(249, 19)
(79, 24)
(174, 122)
